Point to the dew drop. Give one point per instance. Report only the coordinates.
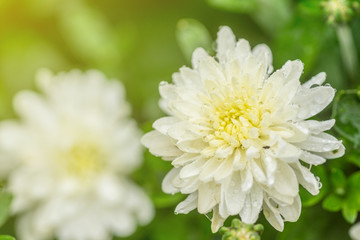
(319, 183)
(163, 83)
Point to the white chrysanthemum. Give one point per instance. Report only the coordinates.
(68, 158)
(355, 232)
(238, 137)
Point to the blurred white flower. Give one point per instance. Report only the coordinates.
(68, 157)
(238, 137)
(355, 231)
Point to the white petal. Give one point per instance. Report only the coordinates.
(242, 51)
(191, 146)
(188, 78)
(312, 159)
(355, 232)
(306, 178)
(163, 124)
(272, 215)
(192, 169)
(160, 145)
(217, 221)
(247, 179)
(225, 44)
(209, 169)
(198, 55)
(317, 127)
(167, 185)
(285, 180)
(257, 171)
(234, 197)
(270, 166)
(211, 74)
(182, 131)
(209, 196)
(322, 142)
(189, 185)
(292, 212)
(313, 100)
(189, 204)
(316, 80)
(253, 203)
(185, 159)
(263, 54)
(286, 151)
(35, 109)
(224, 170)
(334, 154)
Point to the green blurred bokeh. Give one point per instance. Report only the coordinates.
(141, 43)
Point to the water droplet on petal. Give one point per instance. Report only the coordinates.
(319, 183)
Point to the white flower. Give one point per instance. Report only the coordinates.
(68, 158)
(238, 137)
(355, 232)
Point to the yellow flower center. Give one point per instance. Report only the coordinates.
(84, 160)
(236, 119)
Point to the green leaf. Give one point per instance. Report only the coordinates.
(310, 7)
(338, 180)
(5, 201)
(353, 191)
(346, 111)
(242, 6)
(3, 237)
(299, 40)
(192, 34)
(332, 203)
(353, 156)
(349, 214)
(273, 15)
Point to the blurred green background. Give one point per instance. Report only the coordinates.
(142, 42)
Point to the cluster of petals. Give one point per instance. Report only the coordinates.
(68, 157)
(239, 136)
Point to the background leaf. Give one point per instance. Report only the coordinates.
(5, 201)
(192, 34)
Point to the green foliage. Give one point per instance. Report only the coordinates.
(134, 41)
(243, 6)
(192, 34)
(271, 15)
(347, 113)
(5, 201)
(3, 237)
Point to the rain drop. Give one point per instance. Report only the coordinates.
(319, 183)
(163, 83)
